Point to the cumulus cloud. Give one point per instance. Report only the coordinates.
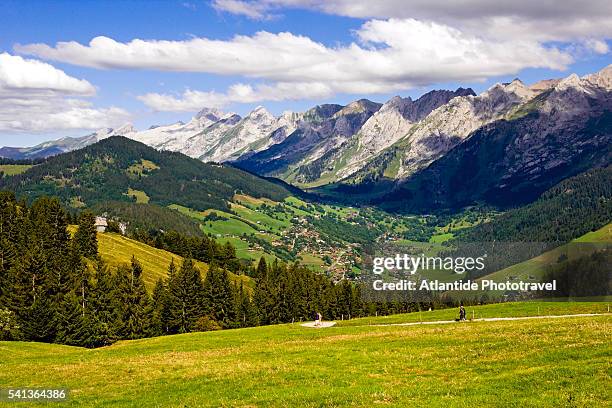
(19, 75)
(192, 100)
(37, 97)
(545, 20)
(255, 11)
(390, 55)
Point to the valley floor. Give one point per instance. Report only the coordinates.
(363, 362)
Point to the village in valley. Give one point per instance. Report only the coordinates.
(326, 238)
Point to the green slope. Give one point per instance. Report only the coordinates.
(534, 268)
(116, 250)
(121, 169)
(527, 362)
(14, 169)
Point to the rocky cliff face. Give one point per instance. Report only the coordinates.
(253, 129)
(561, 131)
(320, 130)
(389, 125)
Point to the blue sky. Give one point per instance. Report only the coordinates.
(154, 92)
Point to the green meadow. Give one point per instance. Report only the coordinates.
(13, 169)
(116, 250)
(536, 267)
(562, 362)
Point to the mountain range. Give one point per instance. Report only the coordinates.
(444, 149)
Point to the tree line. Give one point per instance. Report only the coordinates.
(55, 288)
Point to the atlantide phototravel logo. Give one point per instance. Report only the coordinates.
(475, 271)
(485, 271)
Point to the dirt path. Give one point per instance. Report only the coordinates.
(495, 319)
(322, 326)
(486, 319)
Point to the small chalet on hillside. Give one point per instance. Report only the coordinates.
(101, 224)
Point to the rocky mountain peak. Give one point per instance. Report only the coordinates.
(205, 117)
(416, 110)
(125, 129)
(571, 81)
(520, 89)
(321, 112)
(359, 106)
(601, 79)
(260, 113)
(544, 85)
(99, 134)
(209, 113)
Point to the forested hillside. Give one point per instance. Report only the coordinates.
(568, 210)
(120, 169)
(56, 288)
(508, 163)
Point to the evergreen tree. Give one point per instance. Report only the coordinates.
(170, 311)
(159, 300)
(185, 293)
(72, 325)
(246, 314)
(219, 298)
(130, 302)
(262, 268)
(101, 307)
(85, 239)
(264, 296)
(29, 297)
(11, 238)
(39, 321)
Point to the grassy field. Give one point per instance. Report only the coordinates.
(117, 250)
(141, 196)
(536, 267)
(13, 169)
(516, 309)
(527, 363)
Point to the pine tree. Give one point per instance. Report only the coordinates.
(245, 311)
(219, 298)
(186, 297)
(39, 321)
(72, 325)
(264, 296)
(101, 307)
(170, 310)
(12, 238)
(159, 299)
(130, 301)
(262, 268)
(85, 239)
(29, 298)
(206, 250)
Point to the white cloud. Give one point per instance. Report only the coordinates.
(391, 55)
(255, 11)
(544, 20)
(192, 100)
(37, 97)
(598, 46)
(19, 75)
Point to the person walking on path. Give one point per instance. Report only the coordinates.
(461, 313)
